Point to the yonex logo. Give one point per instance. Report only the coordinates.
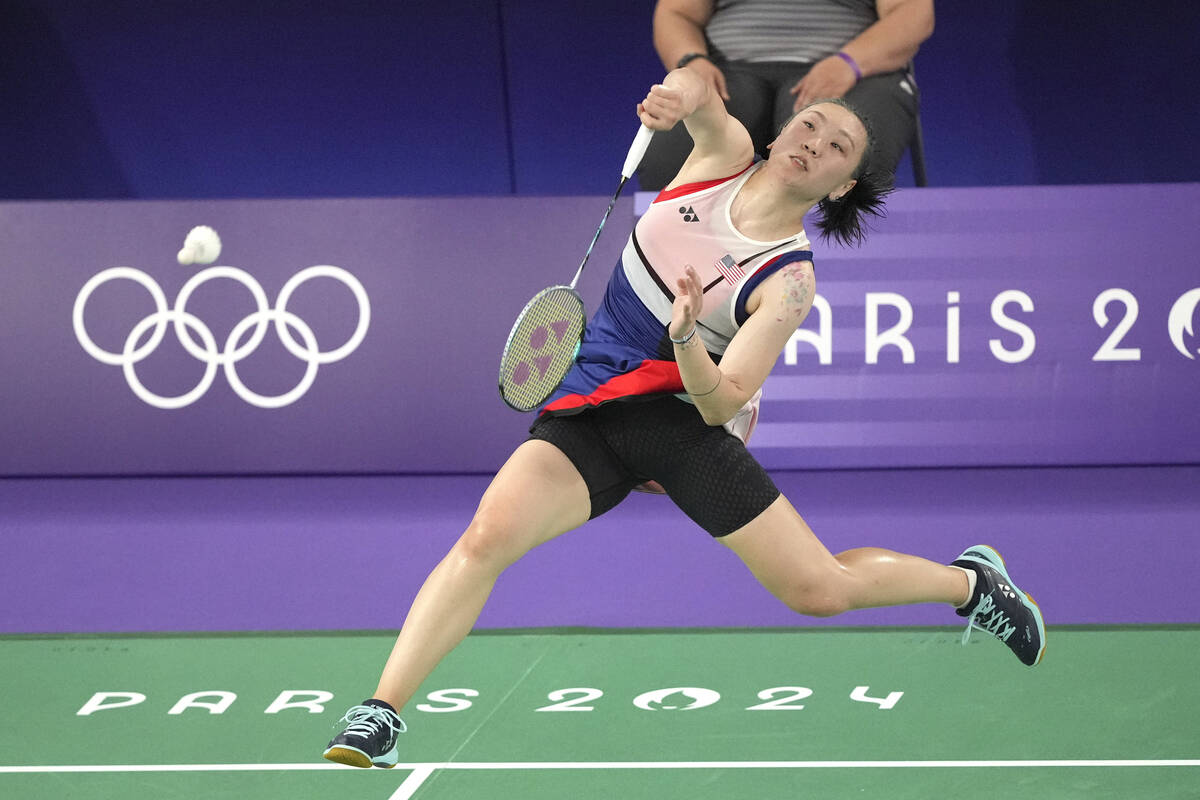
(207, 352)
(689, 215)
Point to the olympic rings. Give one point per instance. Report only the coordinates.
(206, 351)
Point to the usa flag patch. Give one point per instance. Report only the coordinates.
(729, 269)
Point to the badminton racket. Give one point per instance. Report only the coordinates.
(545, 338)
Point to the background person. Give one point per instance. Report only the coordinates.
(768, 58)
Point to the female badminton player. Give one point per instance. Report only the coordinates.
(712, 283)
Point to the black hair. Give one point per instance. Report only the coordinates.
(844, 219)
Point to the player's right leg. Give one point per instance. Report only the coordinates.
(537, 495)
(998, 607)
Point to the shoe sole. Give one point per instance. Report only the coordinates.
(353, 757)
(998, 564)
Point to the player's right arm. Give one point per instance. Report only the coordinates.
(722, 146)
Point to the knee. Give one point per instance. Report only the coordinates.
(489, 541)
(816, 600)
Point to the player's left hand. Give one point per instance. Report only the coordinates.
(689, 302)
(828, 78)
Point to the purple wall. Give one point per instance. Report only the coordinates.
(1049, 382)
(1092, 545)
(444, 278)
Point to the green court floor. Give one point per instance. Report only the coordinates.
(896, 713)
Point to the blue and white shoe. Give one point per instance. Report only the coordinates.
(369, 739)
(998, 607)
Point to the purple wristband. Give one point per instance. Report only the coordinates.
(844, 56)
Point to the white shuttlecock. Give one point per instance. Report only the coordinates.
(202, 246)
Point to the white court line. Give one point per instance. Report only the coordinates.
(413, 782)
(428, 767)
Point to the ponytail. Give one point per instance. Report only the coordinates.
(844, 219)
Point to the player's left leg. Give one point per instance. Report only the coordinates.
(713, 479)
(790, 561)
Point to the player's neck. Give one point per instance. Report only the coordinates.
(768, 209)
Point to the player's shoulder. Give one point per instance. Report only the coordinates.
(795, 286)
(717, 157)
(797, 266)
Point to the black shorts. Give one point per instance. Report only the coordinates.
(705, 470)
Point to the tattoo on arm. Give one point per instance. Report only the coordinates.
(797, 292)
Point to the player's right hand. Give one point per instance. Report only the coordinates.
(662, 108)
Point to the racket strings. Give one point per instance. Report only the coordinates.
(541, 348)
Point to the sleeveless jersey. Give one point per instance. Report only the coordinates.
(626, 352)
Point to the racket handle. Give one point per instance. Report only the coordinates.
(636, 151)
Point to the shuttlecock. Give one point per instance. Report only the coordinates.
(202, 246)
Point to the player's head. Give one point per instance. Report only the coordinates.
(826, 149)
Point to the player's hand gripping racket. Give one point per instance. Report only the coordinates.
(545, 338)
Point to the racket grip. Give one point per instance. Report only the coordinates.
(636, 151)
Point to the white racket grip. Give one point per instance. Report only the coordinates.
(636, 151)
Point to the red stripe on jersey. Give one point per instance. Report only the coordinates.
(773, 259)
(688, 188)
(651, 377)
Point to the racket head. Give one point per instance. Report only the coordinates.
(541, 347)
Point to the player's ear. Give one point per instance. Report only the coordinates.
(841, 191)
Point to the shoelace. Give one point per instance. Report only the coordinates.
(364, 721)
(988, 617)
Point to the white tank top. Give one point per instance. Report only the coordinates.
(691, 225)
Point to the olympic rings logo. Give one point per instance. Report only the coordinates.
(206, 350)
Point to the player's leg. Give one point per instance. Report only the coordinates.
(715, 481)
(537, 495)
(788, 559)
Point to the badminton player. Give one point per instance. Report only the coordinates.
(712, 283)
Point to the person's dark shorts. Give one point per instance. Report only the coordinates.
(704, 469)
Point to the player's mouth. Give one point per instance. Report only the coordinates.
(801, 162)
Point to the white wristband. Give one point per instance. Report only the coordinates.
(685, 339)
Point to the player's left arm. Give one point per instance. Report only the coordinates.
(777, 307)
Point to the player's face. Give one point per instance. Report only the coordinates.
(820, 149)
